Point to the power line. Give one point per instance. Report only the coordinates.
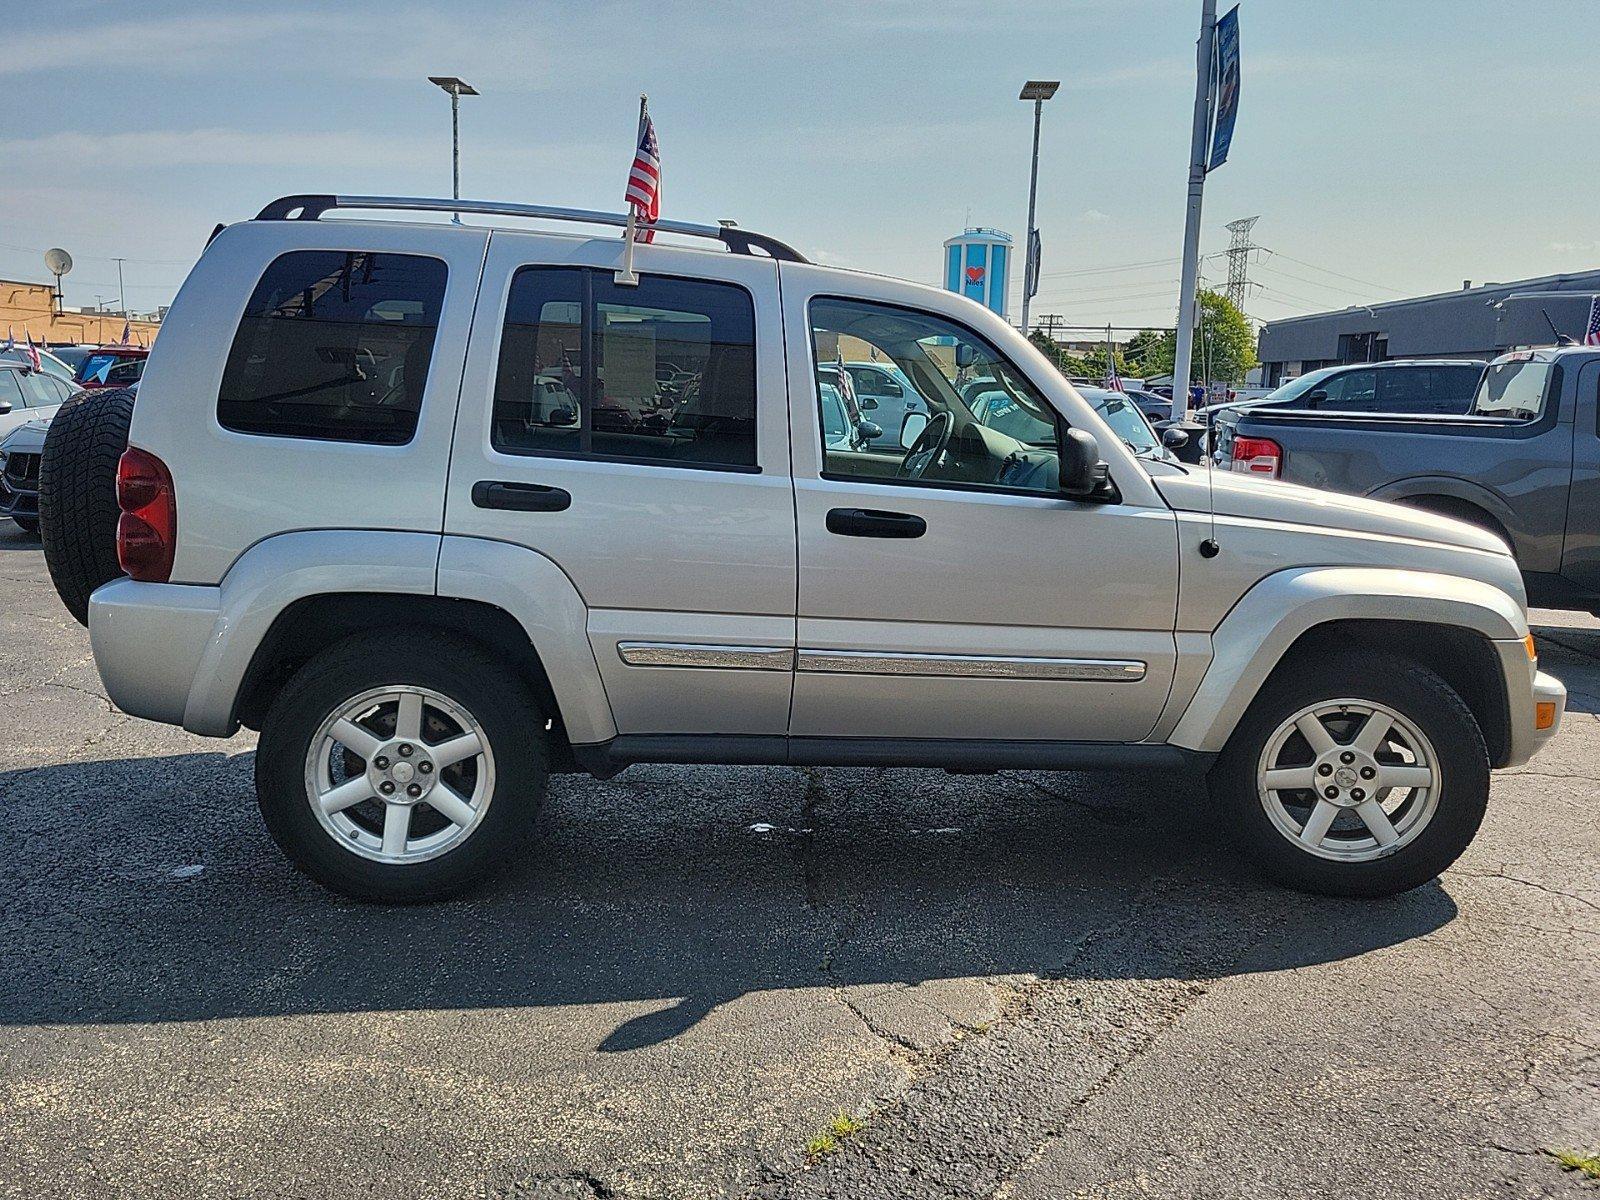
(1326, 271)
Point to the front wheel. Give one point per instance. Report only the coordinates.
(401, 767)
(1356, 775)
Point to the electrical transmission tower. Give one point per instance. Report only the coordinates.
(1239, 259)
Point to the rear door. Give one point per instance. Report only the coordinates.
(638, 437)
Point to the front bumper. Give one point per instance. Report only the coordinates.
(19, 485)
(1527, 688)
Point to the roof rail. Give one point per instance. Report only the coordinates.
(310, 207)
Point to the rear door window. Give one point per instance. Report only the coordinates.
(335, 346)
(662, 372)
(11, 390)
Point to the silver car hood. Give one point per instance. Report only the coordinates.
(1257, 499)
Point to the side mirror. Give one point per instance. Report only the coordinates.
(965, 355)
(1174, 438)
(1082, 472)
(911, 429)
(563, 416)
(5, 407)
(1314, 397)
(867, 403)
(869, 431)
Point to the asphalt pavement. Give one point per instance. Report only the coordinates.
(774, 983)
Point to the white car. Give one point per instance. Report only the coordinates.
(27, 395)
(343, 528)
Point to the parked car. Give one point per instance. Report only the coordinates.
(425, 613)
(886, 397)
(26, 394)
(49, 363)
(1519, 462)
(1418, 387)
(19, 474)
(111, 367)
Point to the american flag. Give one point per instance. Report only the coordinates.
(644, 178)
(1591, 332)
(33, 351)
(1113, 380)
(127, 333)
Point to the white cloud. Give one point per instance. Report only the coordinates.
(1093, 216)
(172, 44)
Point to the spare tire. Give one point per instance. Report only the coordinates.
(78, 494)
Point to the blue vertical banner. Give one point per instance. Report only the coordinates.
(1225, 57)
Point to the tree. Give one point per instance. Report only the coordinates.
(1150, 352)
(1225, 344)
(1067, 364)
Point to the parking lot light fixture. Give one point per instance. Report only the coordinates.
(457, 89)
(1037, 90)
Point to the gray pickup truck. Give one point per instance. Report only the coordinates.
(1523, 462)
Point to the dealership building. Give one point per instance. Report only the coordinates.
(1473, 322)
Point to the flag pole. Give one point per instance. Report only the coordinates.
(625, 276)
(1203, 92)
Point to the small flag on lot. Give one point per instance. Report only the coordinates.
(1591, 331)
(644, 177)
(11, 340)
(33, 352)
(127, 333)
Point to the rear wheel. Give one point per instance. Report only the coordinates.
(401, 767)
(1356, 775)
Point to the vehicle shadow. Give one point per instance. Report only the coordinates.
(146, 890)
(1572, 654)
(13, 537)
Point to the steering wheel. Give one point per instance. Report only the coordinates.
(929, 447)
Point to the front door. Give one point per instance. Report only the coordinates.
(947, 589)
(638, 437)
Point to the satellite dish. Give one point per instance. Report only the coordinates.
(58, 261)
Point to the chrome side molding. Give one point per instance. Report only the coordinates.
(873, 662)
(687, 654)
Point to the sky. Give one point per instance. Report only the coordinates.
(1390, 147)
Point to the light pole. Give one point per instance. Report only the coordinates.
(1205, 85)
(1037, 90)
(457, 89)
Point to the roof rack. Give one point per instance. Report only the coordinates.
(310, 207)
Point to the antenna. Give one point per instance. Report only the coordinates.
(58, 262)
(1209, 546)
(1561, 338)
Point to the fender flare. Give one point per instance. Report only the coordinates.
(274, 573)
(1253, 638)
(544, 601)
(1465, 490)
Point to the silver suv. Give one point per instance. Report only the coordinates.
(354, 520)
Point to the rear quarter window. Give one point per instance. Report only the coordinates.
(335, 345)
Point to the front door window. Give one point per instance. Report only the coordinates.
(986, 425)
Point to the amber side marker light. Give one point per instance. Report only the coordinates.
(1533, 651)
(1544, 714)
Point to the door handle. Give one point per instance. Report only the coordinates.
(870, 522)
(520, 497)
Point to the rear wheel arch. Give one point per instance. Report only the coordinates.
(313, 624)
(1462, 510)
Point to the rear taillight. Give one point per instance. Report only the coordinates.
(147, 531)
(1257, 456)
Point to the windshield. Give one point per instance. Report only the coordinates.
(1126, 421)
(1512, 389)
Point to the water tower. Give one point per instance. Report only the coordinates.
(977, 264)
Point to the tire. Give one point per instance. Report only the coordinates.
(1443, 818)
(78, 494)
(512, 775)
(27, 524)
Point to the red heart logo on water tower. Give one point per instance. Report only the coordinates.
(974, 274)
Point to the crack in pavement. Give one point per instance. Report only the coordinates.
(1532, 883)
